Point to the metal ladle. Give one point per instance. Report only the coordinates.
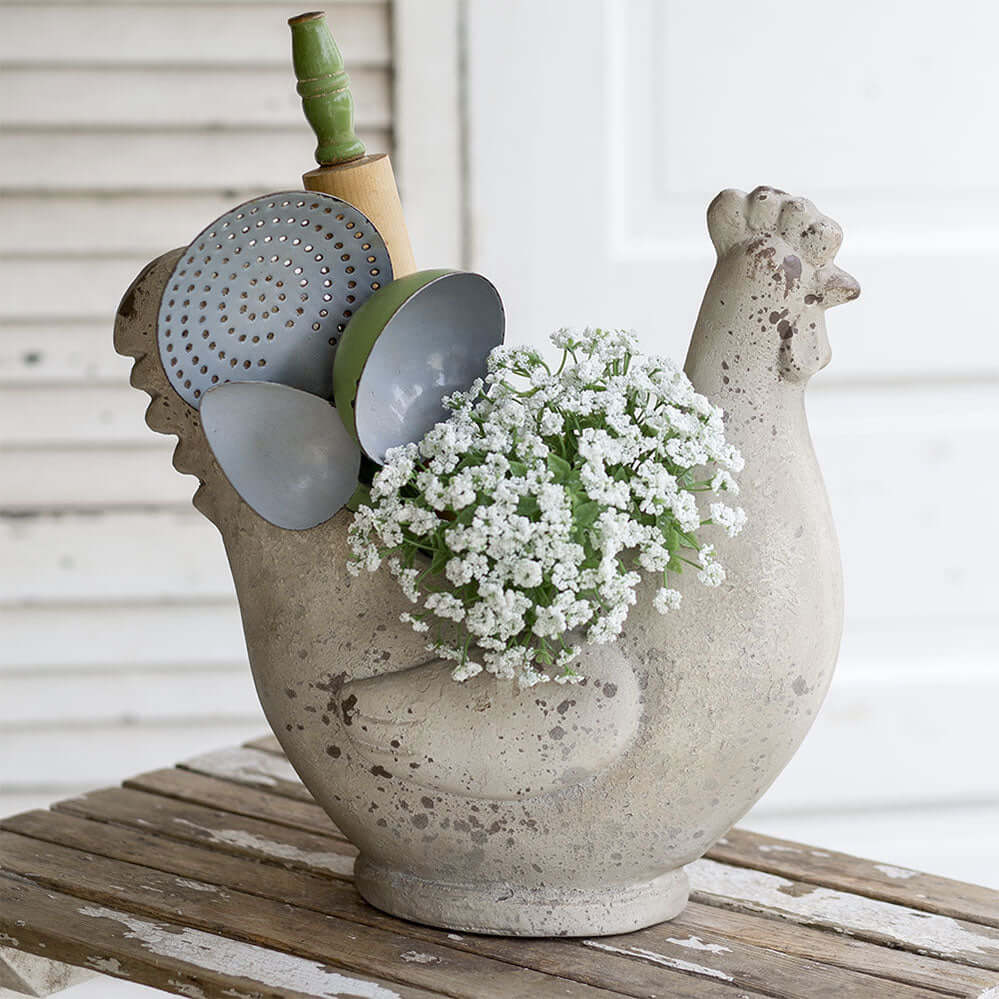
(283, 450)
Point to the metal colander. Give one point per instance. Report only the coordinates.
(264, 293)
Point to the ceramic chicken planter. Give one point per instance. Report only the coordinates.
(560, 810)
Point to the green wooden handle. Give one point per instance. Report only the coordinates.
(324, 87)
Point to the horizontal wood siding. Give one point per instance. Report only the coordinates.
(124, 129)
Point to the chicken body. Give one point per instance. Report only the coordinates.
(562, 810)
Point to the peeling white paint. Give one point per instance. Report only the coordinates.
(455, 936)
(895, 872)
(109, 965)
(185, 989)
(415, 957)
(245, 766)
(695, 943)
(992, 993)
(843, 911)
(221, 955)
(197, 885)
(667, 962)
(819, 853)
(9, 940)
(336, 863)
(777, 848)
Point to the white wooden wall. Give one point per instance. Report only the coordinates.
(599, 132)
(124, 128)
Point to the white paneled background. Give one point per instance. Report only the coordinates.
(573, 168)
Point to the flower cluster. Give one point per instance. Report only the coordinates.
(527, 516)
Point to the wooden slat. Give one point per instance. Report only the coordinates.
(268, 805)
(869, 919)
(347, 945)
(223, 831)
(93, 558)
(225, 796)
(675, 938)
(184, 636)
(832, 948)
(60, 352)
(100, 414)
(251, 768)
(715, 956)
(102, 34)
(128, 697)
(336, 898)
(957, 839)
(864, 877)
(71, 477)
(170, 161)
(111, 223)
(188, 98)
(718, 884)
(137, 845)
(168, 956)
(91, 755)
(65, 288)
(586, 970)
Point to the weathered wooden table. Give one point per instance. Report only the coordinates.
(222, 878)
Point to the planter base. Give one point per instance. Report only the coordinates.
(507, 910)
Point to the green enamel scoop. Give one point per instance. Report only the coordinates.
(411, 343)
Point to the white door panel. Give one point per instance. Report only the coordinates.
(599, 135)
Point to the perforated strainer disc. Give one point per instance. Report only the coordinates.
(265, 291)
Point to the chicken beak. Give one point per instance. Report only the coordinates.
(837, 286)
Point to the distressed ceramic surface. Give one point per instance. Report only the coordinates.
(562, 810)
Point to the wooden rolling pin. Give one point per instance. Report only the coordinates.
(345, 171)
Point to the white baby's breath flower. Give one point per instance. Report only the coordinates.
(529, 677)
(540, 496)
(527, 572)
(445, 605)
(466, 670)
(733, 519)
(712, 574)
(407, 580)
(415, 623)
(724, 480)
(666, 600)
